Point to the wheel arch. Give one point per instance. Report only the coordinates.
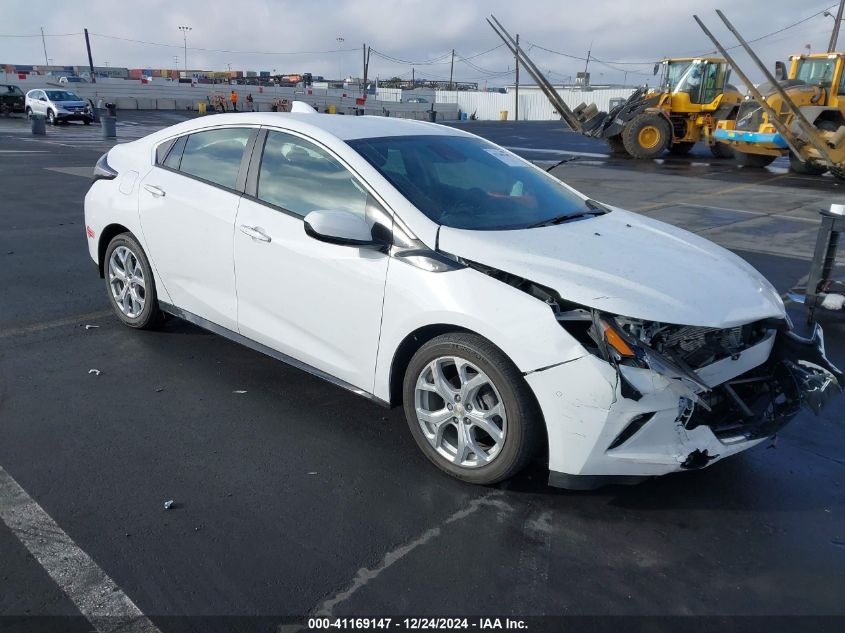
(408, 347)
(106, 236)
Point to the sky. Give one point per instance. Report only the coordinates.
(293, 36)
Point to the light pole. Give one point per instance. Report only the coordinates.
(185, 30)
(340, 42)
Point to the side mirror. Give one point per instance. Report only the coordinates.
(780, 71)
(342, 228)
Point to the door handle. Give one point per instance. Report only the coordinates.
(158, 192)
(255, 233)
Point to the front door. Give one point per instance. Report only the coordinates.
(319, 303)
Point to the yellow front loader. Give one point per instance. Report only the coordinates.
(799, 113)
(694, 93)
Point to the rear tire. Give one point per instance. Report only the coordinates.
(130, 284)
(647, 135)
(482, 391)
(721, 150)
(757, 161)
(681, 148)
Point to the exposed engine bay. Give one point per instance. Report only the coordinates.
(793, 371)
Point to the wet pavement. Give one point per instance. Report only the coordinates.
(299, 498)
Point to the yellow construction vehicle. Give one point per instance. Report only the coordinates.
(799, 113)
(693, 95)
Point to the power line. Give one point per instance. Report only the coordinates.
(427, 62)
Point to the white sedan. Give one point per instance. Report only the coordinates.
(418, 265)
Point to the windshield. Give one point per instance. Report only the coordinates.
(62, 95)
(468, 183)
(816, 71)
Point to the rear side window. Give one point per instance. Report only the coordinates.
(215, 155)
(174, 156)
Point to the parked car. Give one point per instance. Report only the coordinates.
(418, 265)
(416, 100)
(59, 106)
(11, 99)
(72, 79)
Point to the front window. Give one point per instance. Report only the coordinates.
(468, 183)
(674, 72)
(818, 72)
(301, 177)
(62, 95)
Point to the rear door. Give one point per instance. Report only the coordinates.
(188, 203)
(319, 303)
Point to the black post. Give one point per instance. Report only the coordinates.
(516, 87)
(90, 59)
(835, 34)
(452, 71)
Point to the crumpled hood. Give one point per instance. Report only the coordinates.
(630, 265)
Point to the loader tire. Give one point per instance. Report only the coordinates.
(647, 135)
(721, 150)
(681, 148)
(759, 161)
(838, 172)
(616, 146)
(797, 166)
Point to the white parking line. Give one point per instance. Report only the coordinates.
(97, 597)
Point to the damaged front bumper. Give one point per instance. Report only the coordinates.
(619, 424)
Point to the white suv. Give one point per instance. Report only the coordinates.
(59, 106)
(420, 265)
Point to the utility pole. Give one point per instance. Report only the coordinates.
(44, 44)
(90, 59)
(516, 86)
(366, 65)
(835, 34)
(185, 30)
(413, 80)
(587, 65)
(452, 70)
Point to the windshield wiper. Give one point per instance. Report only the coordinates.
(595, 208)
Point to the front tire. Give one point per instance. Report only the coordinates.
(130, 284)
(647, 135)
(470, 410)
(51, 117)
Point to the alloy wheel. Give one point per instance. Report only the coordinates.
(460, 412)
(127, 283)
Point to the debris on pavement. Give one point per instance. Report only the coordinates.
(96, 372)
(168, 504)
(88, 326)
(239, 391)
(159, 389)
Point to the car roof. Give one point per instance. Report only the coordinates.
(344, 127)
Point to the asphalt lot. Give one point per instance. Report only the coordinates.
(299, 498)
